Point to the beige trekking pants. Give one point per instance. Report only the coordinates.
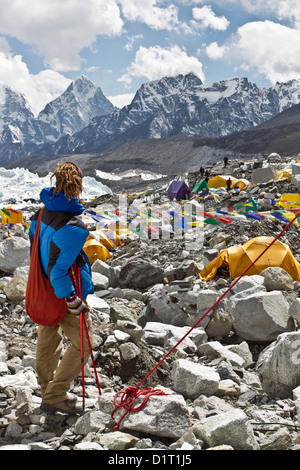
(55, 379)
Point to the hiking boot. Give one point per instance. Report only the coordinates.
(66, 406)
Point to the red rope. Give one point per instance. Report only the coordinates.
(128, 398)
(132, 393)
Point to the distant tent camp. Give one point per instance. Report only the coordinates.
(178, 190)
(239, 258)
(202, 184)
(219, 181)
(289, 201)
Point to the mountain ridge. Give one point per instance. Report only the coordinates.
(181, 105)
(214, 115)
(66, 114)
(177, 154)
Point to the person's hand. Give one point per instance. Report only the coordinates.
(76, 306)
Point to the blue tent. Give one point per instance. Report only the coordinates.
(178, 190)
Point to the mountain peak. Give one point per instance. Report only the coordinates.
(81, 85)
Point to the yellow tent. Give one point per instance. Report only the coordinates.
(112, 236)
(239, 258)
(11, 216)
(219, 181)
(95, 250)
(241, 183)
(289, 201)
(102, 238)
(284, 173)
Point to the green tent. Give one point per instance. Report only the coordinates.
(202, 184)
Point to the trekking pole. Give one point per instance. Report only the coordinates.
(83, 324)
(91, 352)
(82, 359)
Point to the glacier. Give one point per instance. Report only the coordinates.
(18, 186)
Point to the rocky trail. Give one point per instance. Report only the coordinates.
(233, 383)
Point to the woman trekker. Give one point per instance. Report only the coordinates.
(61, 238)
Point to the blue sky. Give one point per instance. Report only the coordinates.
(120, 44)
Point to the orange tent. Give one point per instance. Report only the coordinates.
(239, 258)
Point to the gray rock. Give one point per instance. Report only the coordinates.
(261, 316)
(192, 379)
(92, 421)
(164, 416)
(15, 289)
(140, 273)
(86, 445)
(163, 308)
(294, 310)
(263, 175)
(206, 298)
(131, 328)
(247, 282)
(216, 349)
(14, 253)
(276, 278)
(279, 365)
(129, 351)
(117, 440)
(100, 281)
(230, 428)
(119, 311)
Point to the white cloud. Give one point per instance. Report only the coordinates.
(271, 48)
(4, 45)
(156, 62)
(38, 89)
(282, 9)
(59, 30)
(128, 46)
(121, 100)
(214, 51)
(148, 12)
(207, 19)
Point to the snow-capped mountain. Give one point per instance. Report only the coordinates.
(182, 105)
(83, 120)
(75, 108)
(16, 117)
(67, 114)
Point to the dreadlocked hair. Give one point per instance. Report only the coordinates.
(68, 180)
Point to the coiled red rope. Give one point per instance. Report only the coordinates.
(129, 396)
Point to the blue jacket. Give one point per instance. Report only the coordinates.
(61, 240)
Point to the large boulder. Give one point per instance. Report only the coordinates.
(230, 428)
(14, 252)
(276, 278)
(192, 379)
(15, 289)
(162, 415)
(260, 316)
(263, 175)
(140, 273)
(279, 365)
(164, 308)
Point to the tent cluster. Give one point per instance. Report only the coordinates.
(220, 181)
(238, 258)
(183, 211)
